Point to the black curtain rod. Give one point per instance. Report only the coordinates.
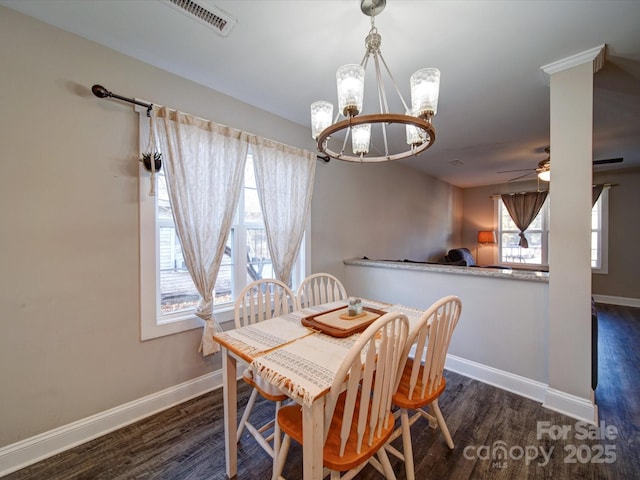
(101, 92)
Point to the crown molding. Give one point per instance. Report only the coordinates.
(597, 55)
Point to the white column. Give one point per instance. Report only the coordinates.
(569, 356)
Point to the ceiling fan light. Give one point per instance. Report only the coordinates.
(350, 83)
(544, 175)
(321, 117)
(425, 88)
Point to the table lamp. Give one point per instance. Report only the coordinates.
(485, 237)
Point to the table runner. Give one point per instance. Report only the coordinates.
(305, 368)
(261, 337)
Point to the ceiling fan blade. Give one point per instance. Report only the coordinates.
(522, 176)
(519, 170)
(608, 160)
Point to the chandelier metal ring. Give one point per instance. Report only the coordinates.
(385, 118)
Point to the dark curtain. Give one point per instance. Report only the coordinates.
(597, 190)
(523, 208)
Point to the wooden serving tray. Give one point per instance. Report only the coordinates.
(336, 329)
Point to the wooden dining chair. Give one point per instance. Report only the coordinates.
(320, 288)
(261, 300)
(357, 417)
(421, 381)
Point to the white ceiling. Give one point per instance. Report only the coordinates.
(493, 111)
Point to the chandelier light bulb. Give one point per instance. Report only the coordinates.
(350, 83)
(425, 88)
(415, 135)
(360, 136)
(321, 117)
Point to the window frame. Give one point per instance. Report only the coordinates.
(603, 230)
(153, 323)
(544, 237)
(603, 238)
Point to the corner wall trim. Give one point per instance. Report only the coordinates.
(34, 449)
(570, 405)
(576, 407)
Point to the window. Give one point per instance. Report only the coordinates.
(600, 234)
(538, 236)
(168, 296)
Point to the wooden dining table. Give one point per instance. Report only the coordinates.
(300, 361)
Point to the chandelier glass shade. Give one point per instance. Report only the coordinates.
(413, 126)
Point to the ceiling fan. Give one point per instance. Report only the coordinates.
(544, 167)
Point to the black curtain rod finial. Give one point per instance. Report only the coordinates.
(100, 92)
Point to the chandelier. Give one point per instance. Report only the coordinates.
(418, 132)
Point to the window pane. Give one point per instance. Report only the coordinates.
(224, 282)
(514, 253)
(594, 250)
(507, 221)
(258, 258)
(177, 291)
(595, 220)
(252, 210)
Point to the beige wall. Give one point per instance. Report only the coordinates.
(624, 228)
(622, 280)
(383, 211)
(70, 335)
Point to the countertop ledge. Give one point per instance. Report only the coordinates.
(529, 275)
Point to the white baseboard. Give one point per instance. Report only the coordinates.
(31, 450)
(576, 407)
(623, 301)
(525, 387)
(570, 405)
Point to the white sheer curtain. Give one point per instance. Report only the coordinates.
(284, 180)
(204, 167)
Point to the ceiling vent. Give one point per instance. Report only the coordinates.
(205, 13)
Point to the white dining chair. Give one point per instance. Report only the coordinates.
(421, 381)
(261, 300)
(320, 288)
(357, 417)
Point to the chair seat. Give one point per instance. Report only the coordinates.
(290, 420)
(265, 389)
(401, 397)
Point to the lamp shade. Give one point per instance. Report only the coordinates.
(425, 88)
(360, 136)
(487, 236)
(415, 135)
(321, 117)
(350, 84)
(545, 175)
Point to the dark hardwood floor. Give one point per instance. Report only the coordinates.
(186, 441)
